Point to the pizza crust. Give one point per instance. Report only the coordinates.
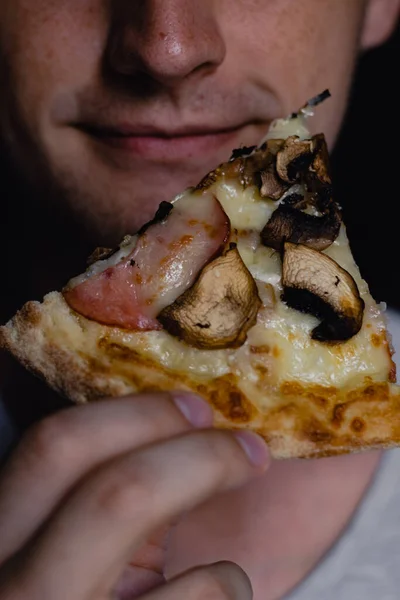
(86, 361)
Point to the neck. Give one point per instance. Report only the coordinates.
(277, 528)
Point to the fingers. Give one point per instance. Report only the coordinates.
(117, 507)
(222, 581)
(146, 568)
(63, 448)
(136, 581)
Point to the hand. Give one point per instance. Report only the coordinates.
(87, 487)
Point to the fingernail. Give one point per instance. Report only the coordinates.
(195, 410)
(254, 447)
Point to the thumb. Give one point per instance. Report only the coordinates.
(146, 569)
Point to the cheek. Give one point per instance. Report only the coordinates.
(296, 49)
(46, 48)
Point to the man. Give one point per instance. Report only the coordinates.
(107, 108)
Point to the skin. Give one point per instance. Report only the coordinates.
(175, 64)
(119, 484)
(162, 67)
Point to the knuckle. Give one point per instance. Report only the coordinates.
(52, 441)
(125, 493)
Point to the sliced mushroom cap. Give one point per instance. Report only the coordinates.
(289, 224)
(271, 185)
(219, 309)
(319, 172)
(246, 164)
(316, 284)
(262, 160)
(296, 199)
(294, 157)
(273, 145)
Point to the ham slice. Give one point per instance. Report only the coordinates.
(165, 262)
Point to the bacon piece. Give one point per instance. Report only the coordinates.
(165, 262)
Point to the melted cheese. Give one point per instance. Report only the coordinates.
(281, 340)
(283, 128)
(126, 247)
(245, 208)
(279, 347)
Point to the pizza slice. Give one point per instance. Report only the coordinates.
(242, 289)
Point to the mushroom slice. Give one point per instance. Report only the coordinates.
(271, 186)
(294, 158)
(320, 164)
(316, 284)
(219, 309)
(262, 160)
(318, 175)
(246, 165)
(289, 224)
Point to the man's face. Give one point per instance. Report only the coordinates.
(121, 104)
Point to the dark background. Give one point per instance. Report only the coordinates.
(366, 170)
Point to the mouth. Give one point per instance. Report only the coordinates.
(154, 144)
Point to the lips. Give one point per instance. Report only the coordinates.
(156, 144)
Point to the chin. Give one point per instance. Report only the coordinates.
(109, 211)
(109, 203)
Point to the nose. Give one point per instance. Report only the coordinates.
(168, 40)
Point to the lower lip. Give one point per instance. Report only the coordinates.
(168, 149)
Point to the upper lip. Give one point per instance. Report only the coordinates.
(130, 130)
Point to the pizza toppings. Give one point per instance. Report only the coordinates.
(247, 168)
(318, 176)
(315, 283)
(163, 263)
(310, 216)
(271, 186)
(171, 274)
(294, 158)
(296, 123)
(290, 224)
(219, 309)
(261, 161)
